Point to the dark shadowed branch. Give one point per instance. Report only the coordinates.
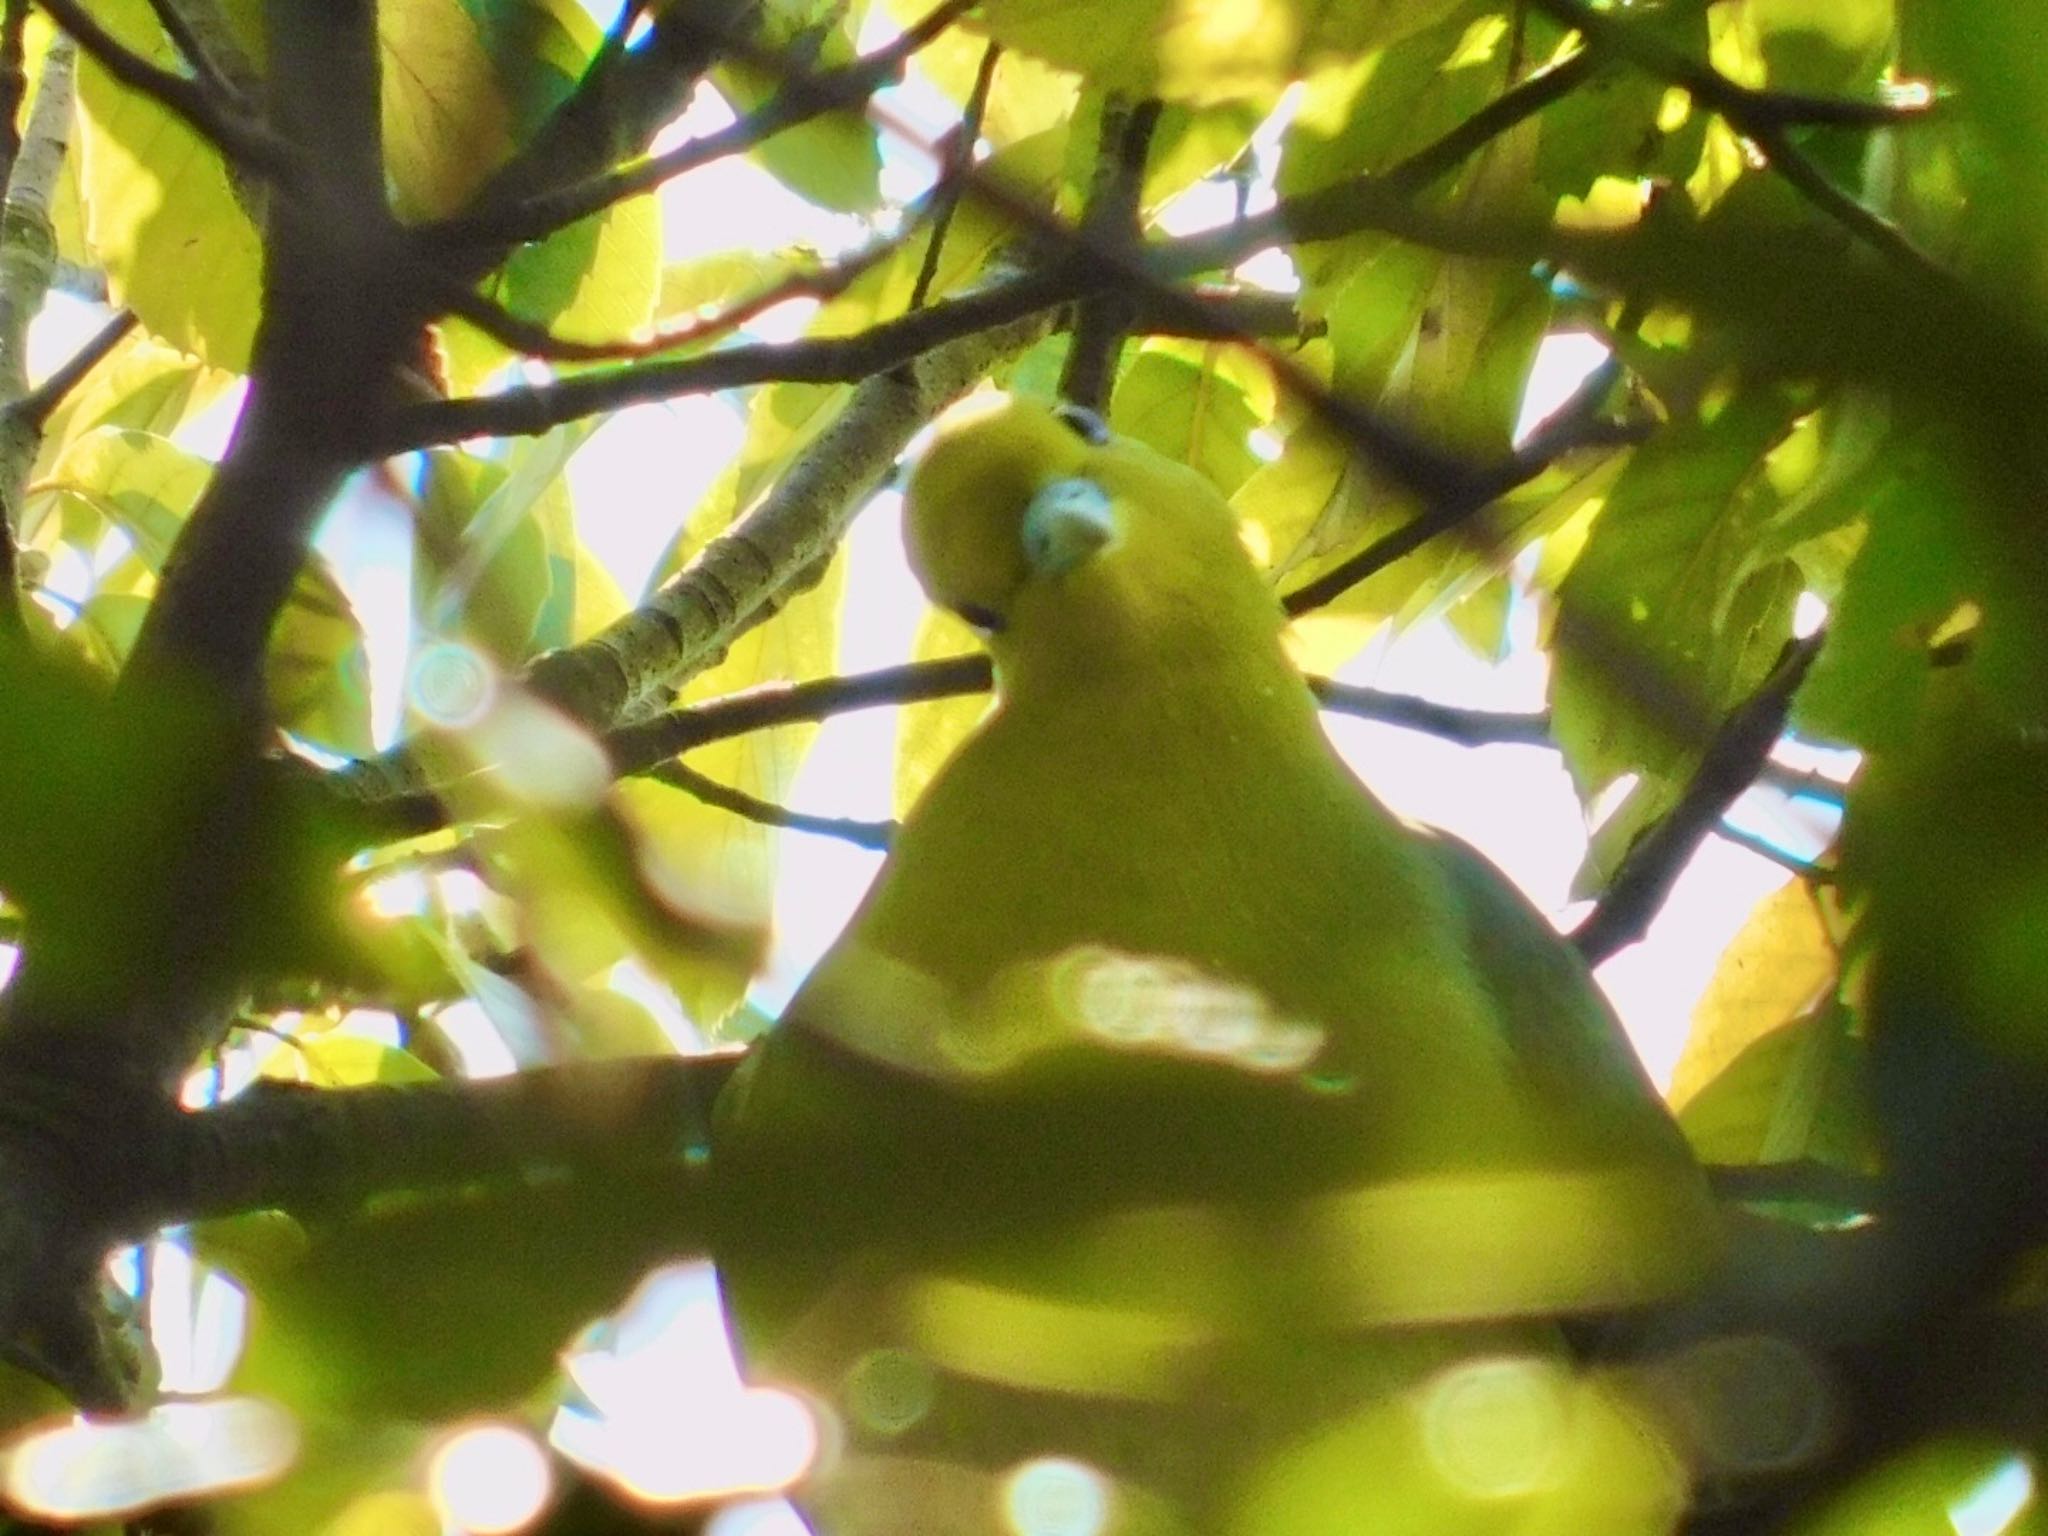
(1110, 222)
(1574, 426)
(1730, 764)
(249, 144)
(874, 835)
(284, 1147)
(800, 99)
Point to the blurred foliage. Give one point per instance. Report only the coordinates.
(1838, 400)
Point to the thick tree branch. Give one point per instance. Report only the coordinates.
(1110, 223)
(1729, 765)
(623, 100)
(314, 1150)
(698, 612)
(13, 82)
(28, 254)
(695, 614)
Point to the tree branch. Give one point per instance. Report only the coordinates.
(873, 835)
(1729, 765)
(312, 1150)
(1110, 223)
(28, 255)
(205, 42)
(34, 408)
(800, 99)
(13, 83)
(533, 340)
(1506, 111)
(1572, 427)
(956, 169)
(1743, 105)
(623, 100)
(250, 145)
(888, 345)
(1866, 224)
(644, 746)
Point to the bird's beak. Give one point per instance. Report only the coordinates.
(1065, 523)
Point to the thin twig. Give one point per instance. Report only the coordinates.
(1377, 199)
(1743, 105)
(1764, 848)
(253, 147)
(1467, 727)
(1862, 221)
(851, 359)
(1508, 110)
(1728, 766)
(873, 835)
(644, 746)
(798, 101)
(1804, 784)
(532, 339)
(33, 409)
(1572, 427)
(954, 169)
(639, 747)
(195, 54)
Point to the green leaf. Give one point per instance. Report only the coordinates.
(538, 48)
(1798, 1092)
(1661, 626)
(834, 160)
(160, 211)
(1195, 403)
(447, 123)
(142, 384)
(498, 545)
(426, 1308)
(1822, 47)
(1203, 54)
(1914, 573)
(1773, 973)
(145, 486)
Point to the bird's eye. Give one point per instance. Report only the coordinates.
(1083, 423)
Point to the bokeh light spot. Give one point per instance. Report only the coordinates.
(1056, 1497)
(106, 1469)
(1751, 1403)
(1497, 1428)
(889, 1390)
(1998, 1499)
(451, 685)
(490, 1478)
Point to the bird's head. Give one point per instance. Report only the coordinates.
(1038, 527)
